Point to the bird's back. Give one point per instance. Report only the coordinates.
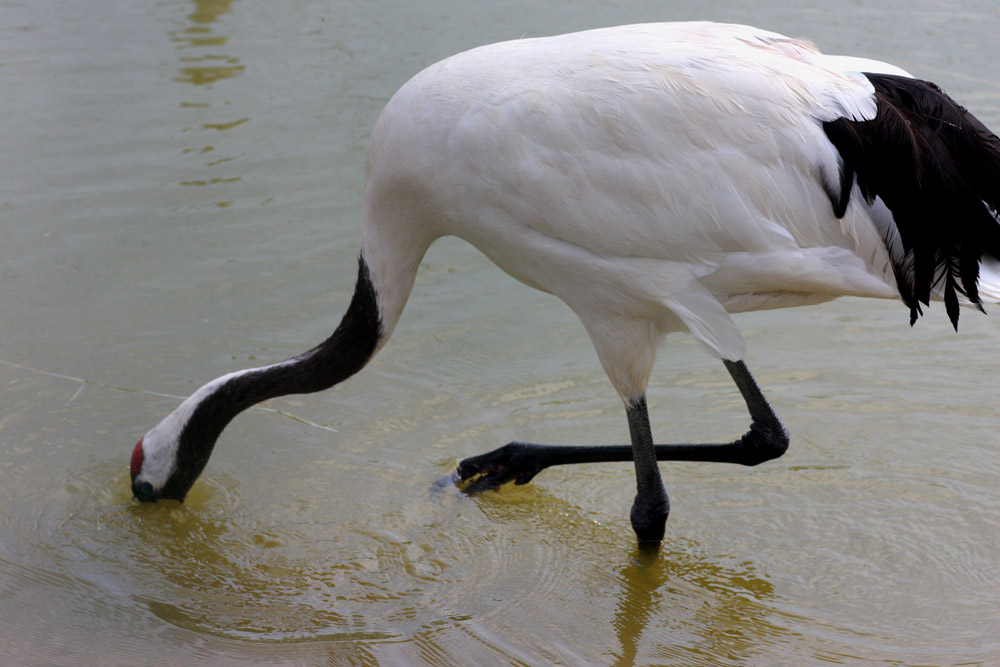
(644, 141)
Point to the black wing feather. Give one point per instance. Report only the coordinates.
(937, 169)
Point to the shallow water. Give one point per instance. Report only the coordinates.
(181, 198)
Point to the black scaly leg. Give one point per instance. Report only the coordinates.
(651, 505)
(519, 462)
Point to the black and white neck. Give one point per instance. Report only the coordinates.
(169, 458)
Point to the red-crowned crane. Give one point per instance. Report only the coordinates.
(656, 178)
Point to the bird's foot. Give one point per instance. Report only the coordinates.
(516, 462)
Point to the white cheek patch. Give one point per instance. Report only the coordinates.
(160, 445)
(159, 451)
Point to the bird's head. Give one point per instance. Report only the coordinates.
(170, 457)
(158, 472)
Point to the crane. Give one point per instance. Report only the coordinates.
(656, 178)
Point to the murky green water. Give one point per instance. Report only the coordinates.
(180, 196)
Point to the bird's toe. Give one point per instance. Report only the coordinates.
(514, 462)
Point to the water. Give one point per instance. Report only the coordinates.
(181, 198)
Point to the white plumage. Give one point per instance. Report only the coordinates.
(656, 178)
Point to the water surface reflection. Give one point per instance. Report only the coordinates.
(731, 625)
(209, 67)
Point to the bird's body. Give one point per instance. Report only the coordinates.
(657, 178)
(654, 175)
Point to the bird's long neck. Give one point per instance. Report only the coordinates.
(334, 360)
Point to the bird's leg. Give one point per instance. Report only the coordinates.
(519, 462)
(651, 505)
(767, 438)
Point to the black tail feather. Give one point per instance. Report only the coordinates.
(937, 169)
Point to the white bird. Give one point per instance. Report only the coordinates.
(656, 178)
